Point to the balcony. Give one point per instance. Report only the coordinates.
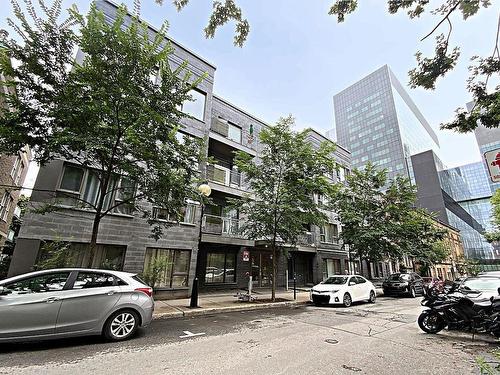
(331, 240)
(234, 134)
(225, 176)
(307, 239)
(221, 225)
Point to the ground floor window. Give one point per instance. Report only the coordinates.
(58, 254)
(166, 268)
(221, 267)
(331, 267)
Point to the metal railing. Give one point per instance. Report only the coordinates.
(224, 176)
(307, 239)
(220, 225)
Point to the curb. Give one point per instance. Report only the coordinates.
(223, 309)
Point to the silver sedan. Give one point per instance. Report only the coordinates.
(73, 302)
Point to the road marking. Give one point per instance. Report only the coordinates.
(188, 334)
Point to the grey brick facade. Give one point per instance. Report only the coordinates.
(227, 129)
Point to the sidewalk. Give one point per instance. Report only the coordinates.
(212, 303)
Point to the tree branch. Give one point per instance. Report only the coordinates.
(440, 22)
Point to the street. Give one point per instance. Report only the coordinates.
(382, 338)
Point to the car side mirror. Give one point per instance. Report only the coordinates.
(351, 283)
(3, 291)
(498, 290)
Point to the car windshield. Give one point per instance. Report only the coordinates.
(486, 283)
(399, 276)
(336, 280)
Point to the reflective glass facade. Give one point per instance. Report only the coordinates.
(378, 122)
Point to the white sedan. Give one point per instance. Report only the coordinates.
(343, 289)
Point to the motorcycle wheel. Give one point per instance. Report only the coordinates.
(431, 322)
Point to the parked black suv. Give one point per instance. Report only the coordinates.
(409, 284)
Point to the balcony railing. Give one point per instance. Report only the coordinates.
(329, 239)
(307, 239)
(220, 225)
(224, 176)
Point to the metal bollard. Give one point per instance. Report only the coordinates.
(294, 288)
(194, 294)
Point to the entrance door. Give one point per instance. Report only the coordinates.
(261, 269)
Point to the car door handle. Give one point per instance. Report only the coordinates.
(51, 299)
(111, 292)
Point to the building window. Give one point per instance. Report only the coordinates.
(331, 267)
(17, 169)
(72, 178)
(84, 184)
(5, 206)
(109, 257)
(234, 133)
(329, 233)
(174, 270)
(186, 214)
(196, 106)
(220, 268)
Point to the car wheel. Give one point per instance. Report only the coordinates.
(373, 297)
(347, 300)
(413, 294)
(121, 325)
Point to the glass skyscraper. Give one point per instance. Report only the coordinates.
(377, 121)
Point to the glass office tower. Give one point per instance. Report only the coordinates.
(377, 120)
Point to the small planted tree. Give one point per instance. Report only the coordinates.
(283, 181)
(116, 111)
(379, 219)
(54, 254)
(153, 273)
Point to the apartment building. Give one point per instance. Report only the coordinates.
(13, 170)
(224, 258)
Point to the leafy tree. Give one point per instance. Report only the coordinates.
(155, 269)
(379, 219)
(116, 111)
(469, 267)
(495, 234)
(429, 69)
(290, 170)
(422, 239)
(55, 254)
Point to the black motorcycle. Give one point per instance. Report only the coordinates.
(453, 309)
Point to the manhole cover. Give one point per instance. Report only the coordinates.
(331, 341)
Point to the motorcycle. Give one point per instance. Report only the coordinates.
(452, 309)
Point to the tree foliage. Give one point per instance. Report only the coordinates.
(155, 269)
(283, 180)
(116, 111)
(54, 254)
(379, 219)
(429, 69)
(494, 235)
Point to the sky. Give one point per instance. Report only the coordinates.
(297, 57)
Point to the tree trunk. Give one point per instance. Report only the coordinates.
(273, 285)
(93, 239)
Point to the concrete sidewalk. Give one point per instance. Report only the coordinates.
(212, 303)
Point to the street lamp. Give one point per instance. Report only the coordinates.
(205, 191)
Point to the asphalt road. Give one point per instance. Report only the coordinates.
(380, 338)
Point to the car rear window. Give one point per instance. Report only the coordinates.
(137, 278)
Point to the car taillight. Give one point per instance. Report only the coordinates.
(148, 291)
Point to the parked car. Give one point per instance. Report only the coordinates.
(73, 302)
(409, 284)
(480, 288)
(343, 289)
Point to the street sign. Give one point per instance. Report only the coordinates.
(492, 159)
(246, 255)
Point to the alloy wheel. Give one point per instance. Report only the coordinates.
(123, 325)
(347, 300)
